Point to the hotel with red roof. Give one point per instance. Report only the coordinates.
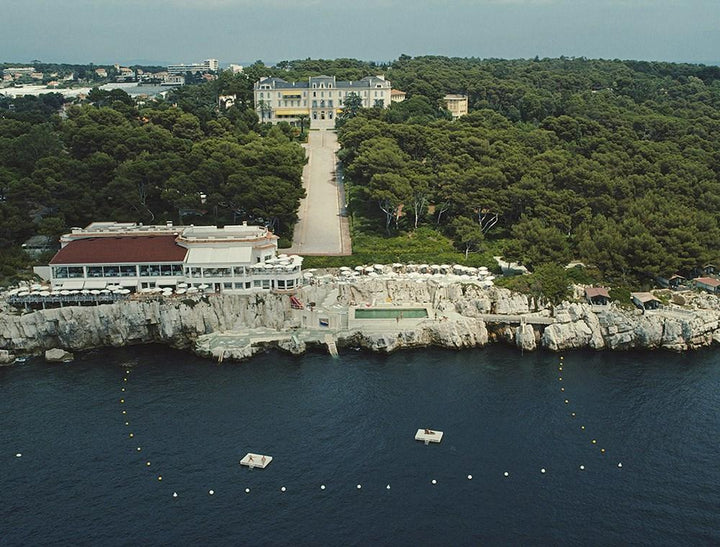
(137, 257)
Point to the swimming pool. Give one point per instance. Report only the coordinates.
(390, 313)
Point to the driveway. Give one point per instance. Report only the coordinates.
(320, 230)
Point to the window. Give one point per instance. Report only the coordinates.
(227, 286)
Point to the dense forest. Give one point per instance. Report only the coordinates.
(613, 163)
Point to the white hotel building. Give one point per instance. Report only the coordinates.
(320, 98)
(229, 259)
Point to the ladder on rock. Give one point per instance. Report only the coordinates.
(332, 347)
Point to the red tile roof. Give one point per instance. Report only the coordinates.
(119, 250)
(592, 292)
(709, 281)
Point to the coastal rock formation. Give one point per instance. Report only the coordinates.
(57, 355)
(461, 314)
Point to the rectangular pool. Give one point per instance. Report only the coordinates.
(390, 313)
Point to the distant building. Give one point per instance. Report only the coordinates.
(645, 300)
(235, 69)
(101, 73)
(226, 101)
(598, 296)
(137, 257)
(17, 71)
(457, 105)
(173, 79)
(709, 284)
(397, 96)
(207, 66)
(320, 98)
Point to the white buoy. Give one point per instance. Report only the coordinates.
(582, 468)
(282, 489)
(175, 495)
(506, 474)
(542, 470)
(247, 490)
(359, 486)
(18, 455)
(139, 449)
(469, 477)
(159, 477)
(434, 481)
(387, 487)
(619, 464)
(211, 492)
(322, 487)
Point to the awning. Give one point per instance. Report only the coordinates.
(233, 256)
(73, 285)
(128, 283)
(291, 111)
(171, 282)
(95, 284)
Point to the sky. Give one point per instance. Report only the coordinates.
(242, 31)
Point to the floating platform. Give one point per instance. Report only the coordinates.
(428, 436)
(256, 460)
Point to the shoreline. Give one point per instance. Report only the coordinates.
(449, 312)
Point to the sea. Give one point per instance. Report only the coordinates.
(141, 446)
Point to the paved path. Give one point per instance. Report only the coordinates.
(321, 230)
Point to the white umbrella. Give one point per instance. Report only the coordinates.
(192, 290)
(179, 291)
(203, 286)
(95, 292)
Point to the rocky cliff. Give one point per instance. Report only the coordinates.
(463, 314)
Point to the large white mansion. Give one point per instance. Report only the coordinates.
(320, 98)
(228, 259)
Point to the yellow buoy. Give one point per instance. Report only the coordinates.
(159, 477)
(602, 450)
(594, 441)
(132, 435)
(147, 463)
(566, 401)
(582, 427)
(122, 400)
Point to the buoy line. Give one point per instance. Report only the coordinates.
(507, 475)
(573, 414)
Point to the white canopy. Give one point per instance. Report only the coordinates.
(202, 256)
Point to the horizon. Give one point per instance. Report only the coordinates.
(186, 31)
(226, 63)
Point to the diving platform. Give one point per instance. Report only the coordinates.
(428, 436)
(256, 460)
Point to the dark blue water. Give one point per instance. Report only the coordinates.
(351, 421)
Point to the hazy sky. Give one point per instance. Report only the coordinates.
(125, 31)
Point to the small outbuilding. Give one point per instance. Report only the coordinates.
(598, 296)
(645, 300)
(709, 284)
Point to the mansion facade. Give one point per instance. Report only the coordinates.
(320, 99)
(136, 257)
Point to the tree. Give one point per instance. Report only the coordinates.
(467, 233)
(352, 103)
